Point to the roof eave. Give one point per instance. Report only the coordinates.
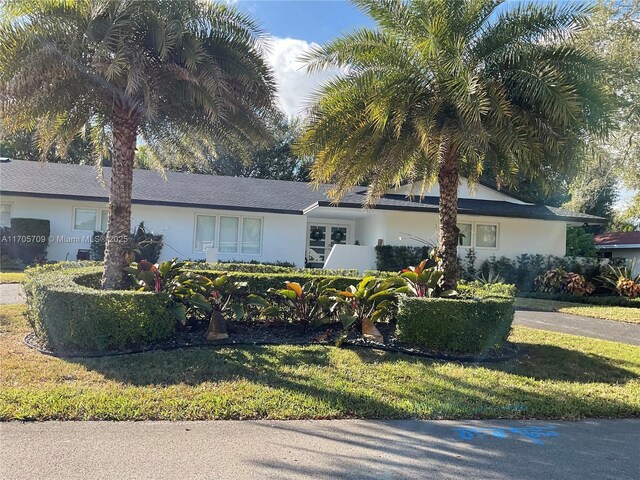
(619, 246)
(429, 209)
(155, 202)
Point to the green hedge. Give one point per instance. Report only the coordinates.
(608, 300)
(393, 258)
(267, 268)
(259, 283)
(453, 325)
(486, 290)
(29, 239)
(69, 316)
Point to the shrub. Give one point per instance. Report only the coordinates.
(28, 239)
(469, 270)
(309, 304)
(559, 281)
(145, 245)
(622, 281)
(69, 316)
(454, 325)
(379, 274)
(503, 268)
(477, 289)
(259, 283)
(270, 268)
(187, 291)
(580, 243)
(391, 258)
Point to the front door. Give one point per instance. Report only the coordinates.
(320, 240)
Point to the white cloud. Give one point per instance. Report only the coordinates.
(295, 85)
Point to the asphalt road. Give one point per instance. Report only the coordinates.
(578, 325)
(347, 449)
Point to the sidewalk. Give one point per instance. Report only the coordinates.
(347, 449)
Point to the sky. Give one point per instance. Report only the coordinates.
(294, 27)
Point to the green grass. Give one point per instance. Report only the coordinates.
(618, 314)
(558, 376)
(11, 277)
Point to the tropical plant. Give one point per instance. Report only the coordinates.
(370, 301)
(440, 88)
(229, 298)
(310, 304)
(489, 279)
(576, 284)
(186, 290)
(423, 281)
(620, 279)
(558, 280)
(170, 72)
(552, 281)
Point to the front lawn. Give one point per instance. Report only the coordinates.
(560, 376)
(619, 314)
(11, 277)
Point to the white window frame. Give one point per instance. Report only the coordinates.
(241, 230)
(471, 240)
(195, 230)
(216, 241)
(10, 205)
(97, 225)
(475, 235)
(238, 234)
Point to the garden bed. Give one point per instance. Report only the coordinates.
(270, 333)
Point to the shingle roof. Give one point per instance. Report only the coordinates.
(55, 180)
(617, 238)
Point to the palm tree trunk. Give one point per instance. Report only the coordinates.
(118, 248)
(448, 178)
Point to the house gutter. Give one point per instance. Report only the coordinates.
(619, 246)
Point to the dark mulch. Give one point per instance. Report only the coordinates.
(281, 333)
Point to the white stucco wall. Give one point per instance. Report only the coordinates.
(358, 257)
(283, 236)
(631, 254)
(515, 235)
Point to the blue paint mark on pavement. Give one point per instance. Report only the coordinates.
(533, 433)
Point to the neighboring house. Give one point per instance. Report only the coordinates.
(271, 220)
(620, 245)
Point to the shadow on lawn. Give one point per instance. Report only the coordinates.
(195, 366)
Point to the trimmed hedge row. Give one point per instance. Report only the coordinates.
(486, 290)
(267, 268)
(259, 283)
(608, 301)
(454, 325)
(69, 316)
(393, 258)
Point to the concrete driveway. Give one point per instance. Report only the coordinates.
(11, 293)
(346, 449)
(577, 325)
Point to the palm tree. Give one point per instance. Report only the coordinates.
(160, 71)
(443, 87)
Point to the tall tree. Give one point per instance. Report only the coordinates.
(274, 160)
(444, 86)
(615, 32)
(22, 145)
(156, 70)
